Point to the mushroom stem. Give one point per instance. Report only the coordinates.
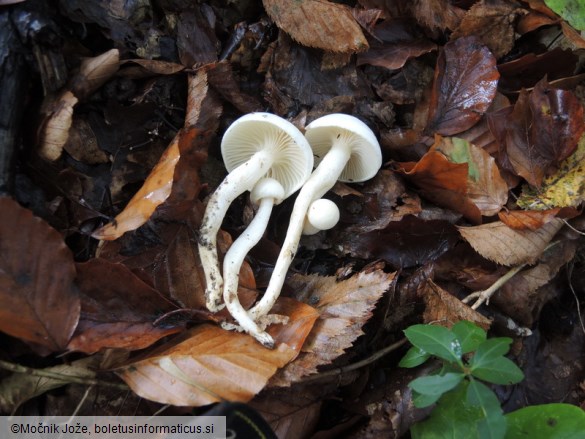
(231, 267)
(320, 181)
(240, 180)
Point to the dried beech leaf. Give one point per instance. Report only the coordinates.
(211, 364)
(527, 219)
(506, 246)
(318, 23)
(485, 186)
(154, 191)
(466, 80)
(94, 72)
(440, 306)
(20, 387)
(344, 307)
(39, 302)
(56, 128)
(117, 309)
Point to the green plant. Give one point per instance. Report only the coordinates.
(466, 407)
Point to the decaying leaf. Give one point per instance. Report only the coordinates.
(39, 302)
(56, 129)
(442, 307)
(527, 219)
(210, 364)
(318, 23)
(94, 72)
(117, 309)
(565, 188)
(485, 186)
(344, 307)
(20, 387)
(506, 246)
(465, 84)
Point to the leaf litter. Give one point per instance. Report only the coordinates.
(480, 118)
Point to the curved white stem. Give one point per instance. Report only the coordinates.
(241, 179)
(322, 179)
(231, 267)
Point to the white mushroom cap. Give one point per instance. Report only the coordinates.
(253, 132)
(366, 157)
(323, 214)
(267, 188)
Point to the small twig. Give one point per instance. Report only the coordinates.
(17, 368)
(485, 295)
(569, 275)
(354, 366)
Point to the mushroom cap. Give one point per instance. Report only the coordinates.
(293, 157)
(323, 214)
(267, 188)
(366, 156)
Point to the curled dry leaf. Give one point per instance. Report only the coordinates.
(117, 309)
(466, 80)
(94, 72)
(210, 364)
(318, 23)
(506, 246)
(154, 191)
(55, 131)
(39, 302)
(344, 307)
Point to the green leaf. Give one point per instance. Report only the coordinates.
(558, 421)
(490, 349)
(436, 384)
(493, 424)
(500, 370)
(452, 418)
(469, 335)
(414, 357)
(422, 401)
(435, 340)
(572, 11)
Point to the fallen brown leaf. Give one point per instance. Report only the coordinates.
(55, 130)
(466, 80)
(343, 307)
(318, 23)
(39, 302)
(209, 364)
(117, 309)
(506, 246)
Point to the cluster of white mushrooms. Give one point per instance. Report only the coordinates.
(271, 158)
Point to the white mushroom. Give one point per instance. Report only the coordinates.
(256, 145)
(266, 193)
(323, 214)
(345, 149)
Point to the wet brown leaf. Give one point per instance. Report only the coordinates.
(343, 307)
(394, 56)
(210, 364)
(493, 23)
(442, 182)
(39, 302)
(440, 306)
(117, 309)
(318, 23)
(506, 246)
(465, 84)
(140, 68)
